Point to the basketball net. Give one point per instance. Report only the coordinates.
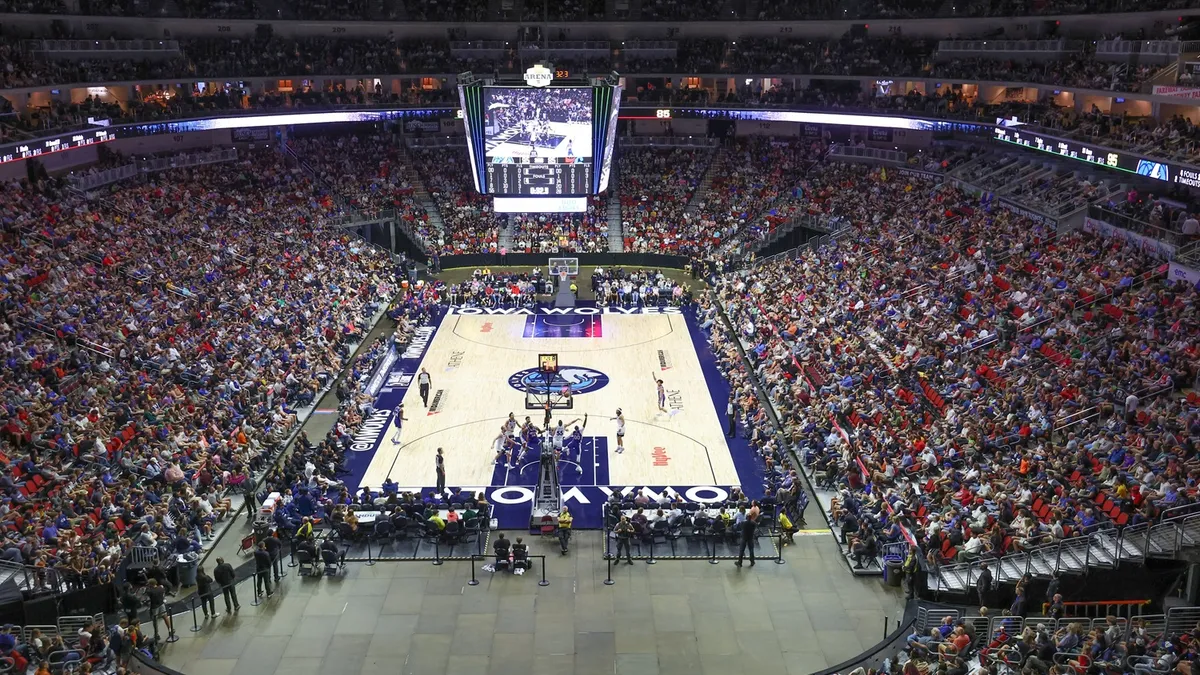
(562, 277)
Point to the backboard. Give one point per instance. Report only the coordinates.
(560, 265)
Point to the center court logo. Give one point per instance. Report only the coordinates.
(580, 380)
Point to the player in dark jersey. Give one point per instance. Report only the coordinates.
(574, 443)
(399, 417)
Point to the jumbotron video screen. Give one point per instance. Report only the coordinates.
(542, 146)
(538, 142)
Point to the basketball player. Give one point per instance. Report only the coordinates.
(528, 430)
(513, 451)
(400, 420)
(505, 445)
(620, 418)
(570, 149)
(574, 445)
(560, 433)
(662, 394)
(498, 445)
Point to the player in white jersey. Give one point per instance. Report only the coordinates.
(662, 394)
(559, 434)
(620, 418)
(400, 419)
(498, 445)
(506, 445)
(510, 424)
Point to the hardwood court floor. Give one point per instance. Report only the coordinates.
(473, 357)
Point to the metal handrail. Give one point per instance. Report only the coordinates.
(1082, 545)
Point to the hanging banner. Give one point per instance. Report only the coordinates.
(1177, 92)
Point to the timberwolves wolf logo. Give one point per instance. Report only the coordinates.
(580, 380)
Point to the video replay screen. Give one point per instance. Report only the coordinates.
(538, 141)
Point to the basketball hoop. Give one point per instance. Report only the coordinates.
(564, 268)
(547, 390)
(562, 277)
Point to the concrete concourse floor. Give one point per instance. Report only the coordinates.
(686, 617)
(683, 617)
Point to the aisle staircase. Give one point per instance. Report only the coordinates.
(421, 194)
(616, 235)
(714, 167)
(504, 238)
(1107, 548)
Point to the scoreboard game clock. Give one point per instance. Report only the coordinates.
(15, 152)
(543, 134)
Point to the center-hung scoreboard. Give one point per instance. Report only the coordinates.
(540, 137)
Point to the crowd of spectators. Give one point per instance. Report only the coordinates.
(584, 10)
(563, 232)
(299, 57)
(988, 640)
(215, 57)
(846, 56)
(159, 342)
(1168, 217)
(979, 366)
(780, 484)
(365, 172)
(469, 223)
(309, 479)
(432, 10)
(1081, 70)
(567, 10)
(656, 187)
(759, 183)
(1175, 138)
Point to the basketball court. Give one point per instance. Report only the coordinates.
(552, 139)
(485, 362)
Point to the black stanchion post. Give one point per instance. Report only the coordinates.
(651, 560)
(169, 619)
(608, 580)
(437, 552)
(292, 551)
(370, 560)
(195, 626)
(713, 552)
(779, 550)
(257, 590)
(473, 581)
(543, 582)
